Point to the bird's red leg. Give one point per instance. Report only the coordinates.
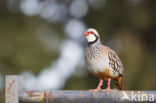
(108, 86)
(98, 87)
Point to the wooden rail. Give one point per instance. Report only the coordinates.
(16, 94)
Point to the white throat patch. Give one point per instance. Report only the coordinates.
(91, 38)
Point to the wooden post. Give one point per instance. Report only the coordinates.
(13, 85)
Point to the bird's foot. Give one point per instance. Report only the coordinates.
(108, 90)
(108, 87)
(98, 87)
(94, 90)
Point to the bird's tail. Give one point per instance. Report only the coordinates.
(119, 83)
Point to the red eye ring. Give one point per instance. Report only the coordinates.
(87, 33)
(91, 32)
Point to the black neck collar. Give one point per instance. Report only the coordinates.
(90, 43)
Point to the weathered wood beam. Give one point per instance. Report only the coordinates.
(16, 95)
(62, 96)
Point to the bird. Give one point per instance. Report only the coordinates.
(102, 61)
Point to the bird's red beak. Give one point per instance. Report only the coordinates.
(85, 33)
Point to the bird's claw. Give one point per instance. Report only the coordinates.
(94, 90)
(107, 90)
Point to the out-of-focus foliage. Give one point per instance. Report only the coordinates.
(127, 26)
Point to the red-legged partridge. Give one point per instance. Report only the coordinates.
(102, 61)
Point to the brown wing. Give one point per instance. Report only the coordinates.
(115, 62)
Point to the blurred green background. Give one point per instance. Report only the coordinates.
(32, 34)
